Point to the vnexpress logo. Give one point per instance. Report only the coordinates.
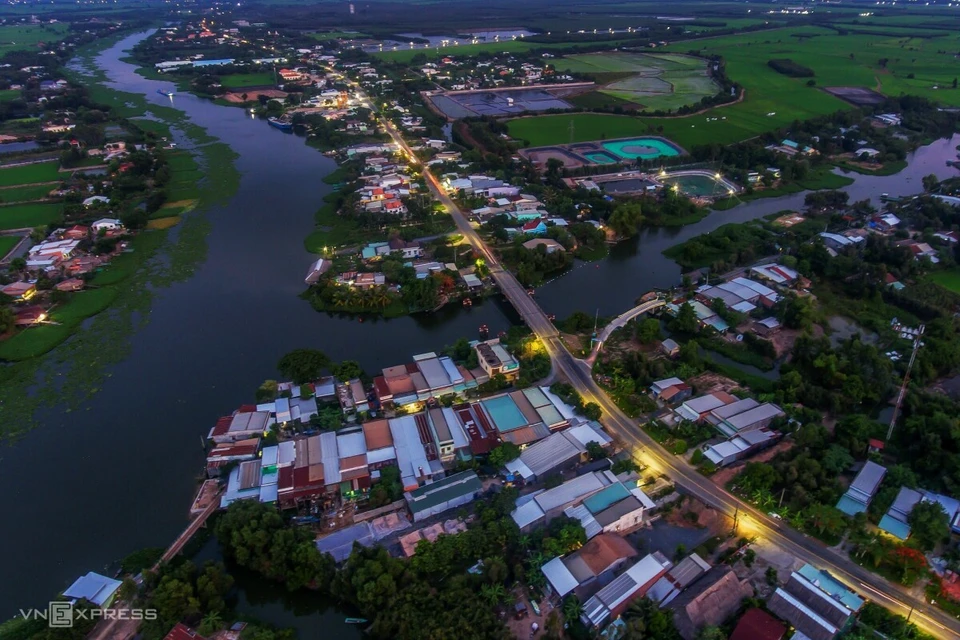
(59, 615)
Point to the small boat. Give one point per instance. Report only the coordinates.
(355, 620)
(484, 330)
(467, 302)
(169, 94)
(280, 124)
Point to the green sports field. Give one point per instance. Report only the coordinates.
(241, 80)
(774, 100)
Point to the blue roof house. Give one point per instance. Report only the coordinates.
(93, 587)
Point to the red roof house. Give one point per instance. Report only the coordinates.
(183, 632)
(757, 624)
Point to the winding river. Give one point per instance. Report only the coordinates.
(89, 486)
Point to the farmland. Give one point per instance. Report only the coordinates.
(870, 61)
(26, 194)
(29, 174)
(13, 38)
(949, 279)
(21, 216)
(242, 80)
(660, 82)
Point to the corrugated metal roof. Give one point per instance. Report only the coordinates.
(734, 408)
(766, 411)
(590, 526)
(868, 480)
(288, 452)
(536, 397)
(703, 404)
(440, 427)
(837, 590)
(552, 451)
(330, 457)
(269, 456)
(433, 372)
(411, 456)
(585, 433)
(606, 498)
(351, 444)
(384, 454)
(571, 490)
(527, 513)
(451, 370)
(559, 577)
(460, 439)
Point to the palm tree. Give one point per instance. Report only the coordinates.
(572, 608)
(493, 594)
(211, 622)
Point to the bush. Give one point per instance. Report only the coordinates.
(697, 457)
(679, 446)
(788, 67)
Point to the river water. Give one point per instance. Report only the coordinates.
(87, 487)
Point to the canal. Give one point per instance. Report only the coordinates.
(88, 486)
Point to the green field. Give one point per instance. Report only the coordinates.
(22, 216)
(6, 95)
(7, 243)
(27, 37)
(769, 92)
(949, 279)
(336, 35)
(243, 80)
(26, 194)
(29, 174)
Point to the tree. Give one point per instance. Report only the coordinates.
(503, 454)
(929, 525)
(596, 450)
(826, 519)
(686, 320)
(303, 365)
(347, 370)
(711, 632)
(930, 182)
(18, 264)
(8, 320)
(572, 608)
(648, 330)
(591, 411)
(626, 218)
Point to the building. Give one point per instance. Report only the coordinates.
(895, 521)
(678, 578)
(612, 600)
(443, 495)
(590, 567)
(739, 417)
(228, 452)
(317, 269)
(740, 447)
(757, 624)
(550, 246)
(775, 273)
(106, 224)
(659, 386)
(241, 425)
(20, 291)
(557, 452)
(494, 359)
(815, 604)
(670, 348)
(96, 589)
(695, 409)
(861, 491)
(616, 509)
(709, 601)
(183, 632)
(538, 508)
(766, 327)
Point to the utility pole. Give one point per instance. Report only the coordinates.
(782, 493)
(917, 343)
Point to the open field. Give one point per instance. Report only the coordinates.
(21, 216)
(659, 81)
(851, 60)
(6, 95)
(7, 243)
(26, 37)
(241, 80)
(26, 194)
(29, 174)
(949, 279)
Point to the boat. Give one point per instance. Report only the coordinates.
(467, 302)
(355, 620)
(280, 124)
(484, 331)
(169, 94)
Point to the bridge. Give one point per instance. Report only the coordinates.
(624, 318)
(747, 519)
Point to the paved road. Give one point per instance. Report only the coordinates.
(751, 521)
(624, 318)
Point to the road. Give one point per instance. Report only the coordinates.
(751, 521)
(624, 318)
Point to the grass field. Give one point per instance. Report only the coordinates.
(851, 60)
(949, 279)
(26, 194)
(6, 95)
(242, 80)
(28, 174)
(658, 82)
(26, 37)
(185, 176)
(7, 243)
(21, 216)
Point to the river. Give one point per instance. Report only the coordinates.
(89, 486)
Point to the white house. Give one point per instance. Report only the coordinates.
(92, 200)
(106, 224)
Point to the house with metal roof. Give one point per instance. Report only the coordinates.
(895, 521)
(757, 624)
(538, 508)
(615, 509)
(240, 426)
(613, 599)
(94, 588)
(862, 489)
(747, 419)
(590, 567)
(442, 495)
(558, 451)
(678, 578)
(740, 447)
(710, 600)
(811, 610)
(700, 406)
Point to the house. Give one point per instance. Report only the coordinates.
(709, 601)
(678, 578)
(227, 452)
(776, 273)
(670, 348)
(588, 568)
(494, 359)
(659, 386)
(815, 604)
(317, 269)
(740, 447)
(534, 228)
(94, 588)
(183, 632)
(757, 624)
(868, 152)
(612, 600)
(92, 200)
(20, 291)
(951, 237)
(861, 491)
(616, 509)
(33, 314)
(538, 508)
(408, 249)
(76, 232)
(442, 495)
(838, 242)
(766, 327)
(699, 407)
(70, 284)
(885, 223)
(550, 246)
(241, 425)
(895, 521)
(558, 451)
(106, 224)
(743, 416)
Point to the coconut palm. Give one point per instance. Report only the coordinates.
(493, 593)
(572, 608)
